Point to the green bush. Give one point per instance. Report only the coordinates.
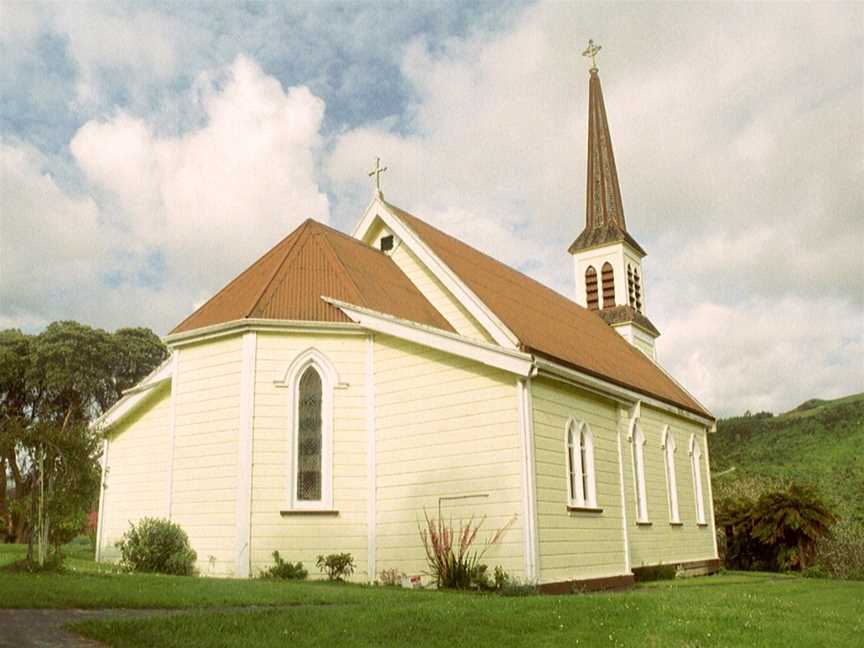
(841, 555)
(336, 566)
(157, 546)
(284, 570)
(654, 573)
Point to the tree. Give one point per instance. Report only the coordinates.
(792, 522)
(63, 377)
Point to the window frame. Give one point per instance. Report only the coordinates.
(329, 381)
(637, 450)
(669, 448)
(579, 444)
(696, 474)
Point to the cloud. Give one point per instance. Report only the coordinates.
(169, 219)
(739, 159)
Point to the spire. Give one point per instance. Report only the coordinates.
(604, 210)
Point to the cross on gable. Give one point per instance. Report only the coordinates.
(377, 171)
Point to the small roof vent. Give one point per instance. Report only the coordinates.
(386, 243)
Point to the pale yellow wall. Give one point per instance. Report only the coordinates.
(304, 536)
(662, 543)
(205, 450)
(445, 426)
(136, 480)
(576, 545)
(438, 295)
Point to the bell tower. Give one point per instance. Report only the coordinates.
(607, 259)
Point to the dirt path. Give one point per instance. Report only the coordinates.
(44, 628)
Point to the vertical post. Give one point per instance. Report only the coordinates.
(371, 456)
(529, 496)
(623, 415)
(172, 421)
(245, 432)
(100, 523)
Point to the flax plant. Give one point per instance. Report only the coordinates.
(453, 560)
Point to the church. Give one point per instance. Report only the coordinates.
(343, 385)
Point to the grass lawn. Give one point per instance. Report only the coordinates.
(725, 610)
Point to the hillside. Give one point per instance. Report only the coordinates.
(819, 443)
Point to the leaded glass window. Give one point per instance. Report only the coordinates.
(309, 436)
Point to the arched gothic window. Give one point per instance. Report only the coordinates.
(311, 379)
(581, 487)
(637, 443)
(309, 436)
(608, 279)
(591, 295)
(696, 468)
(671, 476)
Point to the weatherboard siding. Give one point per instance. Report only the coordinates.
(576, 545)
(661, 542)
(207, 416)
(136, 479)
(304, 536)
(445, 427)
(438, 295)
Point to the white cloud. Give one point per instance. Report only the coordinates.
(171, 218)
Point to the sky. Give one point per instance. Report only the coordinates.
(149, 152)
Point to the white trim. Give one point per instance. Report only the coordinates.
(259, 325)
(134, 396)
(622, 415)
(482, 313)
(696, 472)
(530, 550)
(100, 522)
(669, 447)
(711, 497)
(371, 459)
(314, 358)
(172, 434)
(244, 456)
(613, 391)
(637, 450)
(489, 354)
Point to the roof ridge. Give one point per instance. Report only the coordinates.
(301, 234)
(335, 255)
(234, 280)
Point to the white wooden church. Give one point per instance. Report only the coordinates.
(343, 384)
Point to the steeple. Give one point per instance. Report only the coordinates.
(604, 210)
(608, 260)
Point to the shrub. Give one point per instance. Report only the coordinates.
(841, 555)
(336, 566)
(654, 573)
(157, 546)
(284, 569)
(392, 577)
(452, 561)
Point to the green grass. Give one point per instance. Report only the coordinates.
(818, 443)
(736, 610)
(730, 609)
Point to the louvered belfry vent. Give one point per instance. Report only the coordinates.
(591, 288)
(608, 279)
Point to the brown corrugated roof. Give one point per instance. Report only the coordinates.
(548, 323)
(315, 260)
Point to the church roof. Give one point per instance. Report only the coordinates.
(549, 324)
(314, 260)
(604, 210)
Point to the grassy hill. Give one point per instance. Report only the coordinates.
(820, 443)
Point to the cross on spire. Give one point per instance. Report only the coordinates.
(377, 171)
(592, 51)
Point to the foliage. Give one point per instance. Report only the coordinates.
(68, 374)
(337, 566)
(392, 577)
(449, 554)
(654, 573)
(284, 569)
(159, 546)
(779, 531)
(841, 555)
